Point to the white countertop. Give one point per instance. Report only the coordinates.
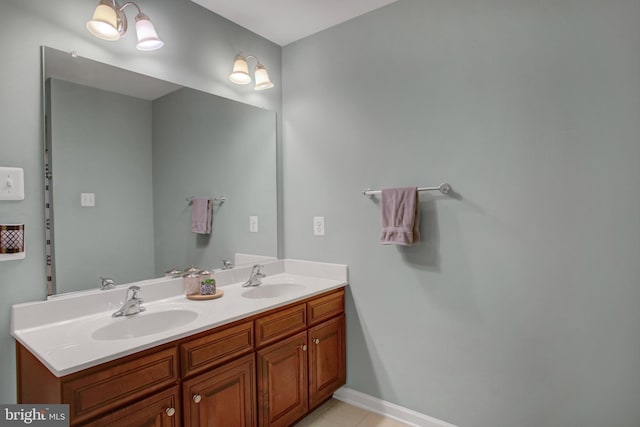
(59, 331)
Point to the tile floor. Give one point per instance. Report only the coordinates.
(335, 413)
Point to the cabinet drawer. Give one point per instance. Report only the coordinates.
(159, 410)
(326, 307)
(102, 389)
(280, 324)
(216, 348)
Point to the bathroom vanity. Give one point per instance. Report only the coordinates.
(258, 356)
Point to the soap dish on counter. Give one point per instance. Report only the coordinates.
(198, 297)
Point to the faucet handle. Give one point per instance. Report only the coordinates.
(257, 272)
(134, 292)
(226, 264)
(107, 283)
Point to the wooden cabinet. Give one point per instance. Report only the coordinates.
(214, 348)
(325, 307)
(222, 397)
(281, 323)
(298, 373)
(282, 381)
(102, 389)
(159, 410)
(269, 369)
(105, 388)
(327, 361)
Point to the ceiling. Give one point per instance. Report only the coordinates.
(285, 21)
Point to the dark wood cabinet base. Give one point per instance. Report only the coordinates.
(270, 369)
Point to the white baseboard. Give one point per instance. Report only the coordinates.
(388, 409)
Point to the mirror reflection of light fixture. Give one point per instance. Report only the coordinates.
(240, 74)
(110, 23)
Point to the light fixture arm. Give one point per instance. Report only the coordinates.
(254, 57)
(130, 3)
(123, 19)
(246, 58)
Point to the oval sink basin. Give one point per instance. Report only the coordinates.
(143, 324)
(272, 290)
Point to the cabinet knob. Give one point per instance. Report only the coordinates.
(316, 341)
(303, 347)
(170, 411)
(197, 398)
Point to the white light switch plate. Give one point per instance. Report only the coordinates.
(11, 183)
(318, 226)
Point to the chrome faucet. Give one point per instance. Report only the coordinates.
(132, 304)
(107, 283)
(226, 264)
(256, 275)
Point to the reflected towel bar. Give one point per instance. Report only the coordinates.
(444, 188)
(220, 199)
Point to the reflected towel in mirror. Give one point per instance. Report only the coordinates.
(201, 215)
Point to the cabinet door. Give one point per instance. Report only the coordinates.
(159, 410)
(282, 382)
(327, 365)
(222, 397)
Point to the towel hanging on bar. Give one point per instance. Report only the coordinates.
(400, 216)
(201, 215)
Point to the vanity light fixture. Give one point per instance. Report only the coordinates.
(240, 74)
(110, 23)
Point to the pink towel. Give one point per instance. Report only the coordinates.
(400, 216)
(201, 215)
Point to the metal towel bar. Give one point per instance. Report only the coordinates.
(220, 199)
(444, 188)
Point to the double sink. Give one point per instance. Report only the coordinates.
(70, 333)
(175, 316)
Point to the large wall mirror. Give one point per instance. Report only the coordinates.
(125, 153)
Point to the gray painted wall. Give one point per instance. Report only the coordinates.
(199, 51)
(521, 307)
(208, 146)
(101, 145)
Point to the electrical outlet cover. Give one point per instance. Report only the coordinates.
(318, 226)
(253, 224)
(87, 200)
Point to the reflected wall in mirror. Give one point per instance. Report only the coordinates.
(142, 147)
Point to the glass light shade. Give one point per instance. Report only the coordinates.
(240, 74)
(262, 78)
(104, 23)
(147, 36)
